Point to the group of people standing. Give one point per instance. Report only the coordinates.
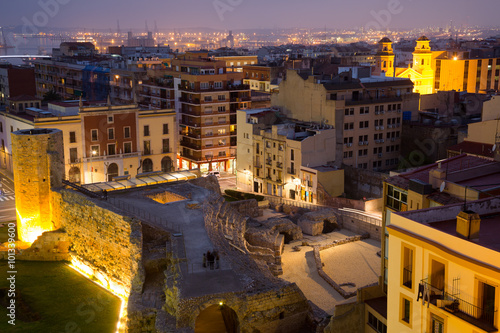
(211, 259)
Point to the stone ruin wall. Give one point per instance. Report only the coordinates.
(278, 309)
(105, 239)
(270, 304)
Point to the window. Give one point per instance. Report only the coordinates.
(349, 112)
(147, 148)
(363, 124)
(217, 85)
(291, 155)
(222, 131)
(166, 146)
(73, 155)
(72, 137)
(111, 133)
(221, 109)
(127, 147)
(165, 128)
(407, 263)
(396, 198)
(111, 149)
(221, 97)
(126, 132)
(207, 98)
(93, 135)
(405, 310)
(437, 324)
(146, 130)
(376, 324)
(348, 126)
(203, 85)
(111, 119)
(364, 110)
(222, 142)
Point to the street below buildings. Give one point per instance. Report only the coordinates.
(7, 200)
(227, 181)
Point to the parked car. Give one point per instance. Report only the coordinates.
(212, 173)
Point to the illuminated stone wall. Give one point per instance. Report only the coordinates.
(101, 236)
(38, 165)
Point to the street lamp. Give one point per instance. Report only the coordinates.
(93, 153)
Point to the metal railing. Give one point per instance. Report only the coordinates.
(474, 314)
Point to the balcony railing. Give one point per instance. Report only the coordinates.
(476, 315)
(279, 165)
(269, 162)
(465, 310)
(291, 171)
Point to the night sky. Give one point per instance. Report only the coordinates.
(240, 14)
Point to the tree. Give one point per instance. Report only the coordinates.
(51, 95)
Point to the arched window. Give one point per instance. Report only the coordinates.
(385, 64)
(112, 171)
(166, 164)
(147, 165)
(423, 62)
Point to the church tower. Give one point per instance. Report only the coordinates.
(422, 57)
(384, 58)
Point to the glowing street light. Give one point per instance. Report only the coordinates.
(94, 153)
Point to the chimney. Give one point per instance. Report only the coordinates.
(468, 223)
(437, 176)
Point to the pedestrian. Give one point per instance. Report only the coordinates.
(204, 260)
(105, 194)
(217, 260)
(210, 258)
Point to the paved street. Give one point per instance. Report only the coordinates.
(227, 181)
(7, 200)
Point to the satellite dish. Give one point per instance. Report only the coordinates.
(441, 188)
(494, 147)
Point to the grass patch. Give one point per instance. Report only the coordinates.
(242, 195)
(63, 300)
(3, 232)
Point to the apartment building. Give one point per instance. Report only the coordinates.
(64, 78)
(461, 72)
(443, 269)
(16, 81)
(261, 78)
(286, 158)
(206, 96)
(102, 141)
(366, 113)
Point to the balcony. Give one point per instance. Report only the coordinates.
(269, 162)
(109, 157)
(476, 315)
(192, 145)
(291, 171)
(279, 165)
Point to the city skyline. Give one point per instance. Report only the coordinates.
(240, 14)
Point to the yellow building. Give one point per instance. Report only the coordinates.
(433, 71)
(286, 158)
(421, 72)
(449, 256)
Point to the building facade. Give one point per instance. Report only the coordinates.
(366, 113)
(103, 142)
(16, 81)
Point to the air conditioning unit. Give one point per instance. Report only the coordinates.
(379, 154)
(382, 128)
(349, 145)
(393, 139)
(366, 143)
(389, 126)
(377, 141)
(382, 112)
(382, 141)
(377, 128)
(361, 143)
(376, 112)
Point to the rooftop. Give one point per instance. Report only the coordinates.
(454, 166)
(473, 148)
(445, 219)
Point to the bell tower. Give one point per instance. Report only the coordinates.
(385, 58)
(422, 55)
